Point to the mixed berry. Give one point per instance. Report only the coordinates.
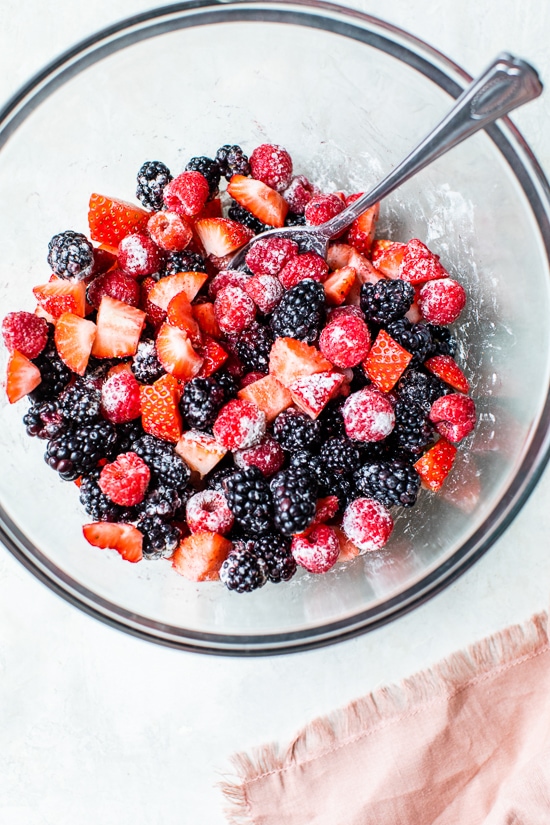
(241, 423)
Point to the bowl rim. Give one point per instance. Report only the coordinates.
(451, 78)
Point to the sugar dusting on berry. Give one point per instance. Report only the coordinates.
(367, 523)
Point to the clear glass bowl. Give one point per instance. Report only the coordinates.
(348, 95)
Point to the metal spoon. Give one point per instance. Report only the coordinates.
(506, 84)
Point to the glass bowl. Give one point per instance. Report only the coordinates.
(347, 95)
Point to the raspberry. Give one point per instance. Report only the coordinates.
(125, 480)
(210, 169)
(420, 264)
(386, 301)
(318, 551)
(232, 161)
(305, 265)
(322, 208)
(268, 456)
(25, 332)
(169, 231)
(367, 524)
(441, 301)
(187, 194)
(71, 255)
(120, 398)
(454, 416)
(266, 291)
(345, 341)
(269, 256)
(115, 284)
(250, 378)
(138, 255)
(234, 309)
(151, 180)
(298, 194)
(272, 165)
(208, 511)
(368, 415)
(227, 277)
(240, 424)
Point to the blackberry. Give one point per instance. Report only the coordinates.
(444, 342)
(294, 498)
(44, 420)
(274, 549)
(331, 420)
(393, 482)
(296, 431)
(216, 480)
(97, 369)
(415, 387)
(334, 484)
(253, 348)
(228, 383)
(77, 450)
(292, 219)
(183, 262)
(162, 501)
(241, 215)
(161, 458)
(80, 403)
(211, 171)
(55, 375)
(386, 301)
(340, 456)
(151, 180)
(126, 434)
(145, 363)
(71, 255)
(412, 431)
(301, 312)
(359, 379)
(415, 338)
(242, 571)
(249, 499)
(96, 503)
(231, 161)
(160, 539)
(201, 402)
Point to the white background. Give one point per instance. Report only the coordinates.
(98, 727)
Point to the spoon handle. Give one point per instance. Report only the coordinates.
(507, 83)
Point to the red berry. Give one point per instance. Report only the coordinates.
(268, 456)
(272, 165)
(386, 361)
(227, 277)
(367, 524)
(368, 415)
(340, 312)
(269, 256)
(138, 256)
(116, 284)
(169, 230)
(186, 194)
(318, 551)
(435, 465)
(446, 368)
(234, 309)
(454, 416)
(207, 511)
(266, 291)
(322, 208)
(110, 219)
(22, 377)
(239, 424)
(25, 332)
(305, 265)
(120, 398)
(345, 341)
(250, 378)
(298, 194)
(420, 264)
(125, 480)
(124, 538)
(442, 301)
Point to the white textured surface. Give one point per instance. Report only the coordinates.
(98, 727)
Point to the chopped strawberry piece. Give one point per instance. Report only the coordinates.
(116, 284)
(187, 282)
(213, 355)
(111, 219)
(311, 393)
(227, 277)
(138, 255)
(298, 194)
(155, 315)
(200, 556)
(25, 332)
(435, 465)
(211, 209)
(59, 296)
(125, 480)
(387, 257)
(239, 424)
(74, 339)
(269, 395)
(325, 509)
(366, 272)
(205, 317)
(420, 264)
(368, 524)
(339, 254)
(290, 360)
(348, 550)
(104, 260)
(339, 284)
(269, 256)
(345, 341)
(272, 165)
(170, 231)
(234, 309)
(220, 236)
(446, 368)
(200, 451)
(302, 266)
(361, 232)
(264, 202)
(160, 415)
(124, 538)
(321, 208)
(180, 314)
(441, 301)
(386, 362)
(318, 551)
(266, 291)
(207, 511)
(186, 194)
(454, 416)
(120, 400)
(119, 327)
(368, 415)
(268, 456)
(22, 377)
(176, 354)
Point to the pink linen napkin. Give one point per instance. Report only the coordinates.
(466, 742)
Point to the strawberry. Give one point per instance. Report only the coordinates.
(311, 393)
(348, 550)
(435, 465)
(265, 203)
(25, 332)
(200, 556)
(387, 257)
(420, 264)
(446, 368)
(220, 236)
(180, 314)
(290, 360)
(200, 451)
(22, 376)
(269, 395)
(361, 232)
(119, 327)
(211, 209)
(160, 415)
(338, 255)
(213, 355)
(155, 315)
(124, 538)
(164, 290)
(176, 354)
(110, 220)
(386, 362)
(74, 339)
(59, 296)
(338, 285)
(454, 416)
(205, 317)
